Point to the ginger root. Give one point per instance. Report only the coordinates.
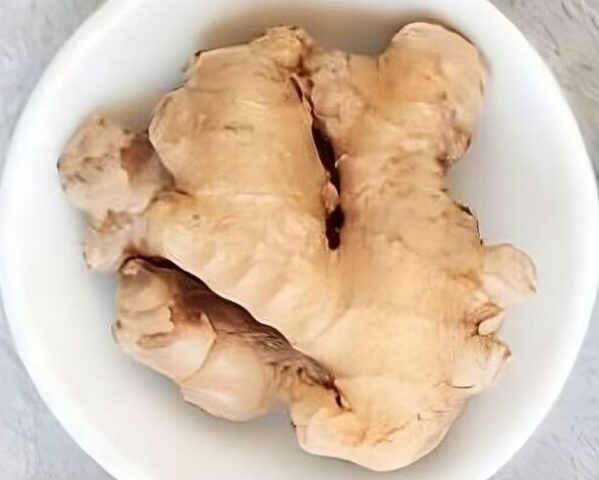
(376, 343)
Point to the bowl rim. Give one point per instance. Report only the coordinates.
(80, 429)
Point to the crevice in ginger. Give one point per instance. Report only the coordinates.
(326, 154)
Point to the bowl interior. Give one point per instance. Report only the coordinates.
(526, 177)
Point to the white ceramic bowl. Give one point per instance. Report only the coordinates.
(527, 177)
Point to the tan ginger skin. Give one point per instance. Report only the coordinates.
(216, 223)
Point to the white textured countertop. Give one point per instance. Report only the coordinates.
(33, 446)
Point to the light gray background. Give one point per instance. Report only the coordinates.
(33, 446)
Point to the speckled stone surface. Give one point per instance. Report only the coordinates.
(33, 445)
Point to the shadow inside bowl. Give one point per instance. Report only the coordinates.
(344, 28)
